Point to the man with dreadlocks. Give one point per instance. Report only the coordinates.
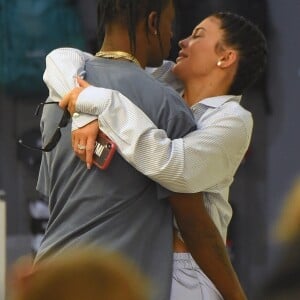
(118, 208)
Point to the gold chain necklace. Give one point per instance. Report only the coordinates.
(118, 55)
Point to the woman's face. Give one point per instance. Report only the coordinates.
(201, 51)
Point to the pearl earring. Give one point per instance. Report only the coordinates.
(219, 63)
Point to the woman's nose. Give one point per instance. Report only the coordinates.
(183, 43)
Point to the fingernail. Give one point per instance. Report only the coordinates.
(88, 166)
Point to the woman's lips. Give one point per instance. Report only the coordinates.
(181, 55)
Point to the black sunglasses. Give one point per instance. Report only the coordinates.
(57, 134)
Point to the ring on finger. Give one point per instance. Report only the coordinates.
(81, 147)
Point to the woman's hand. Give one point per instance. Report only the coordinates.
(83, 142)
(70, 99)
(84, 138)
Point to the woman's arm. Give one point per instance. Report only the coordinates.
(209, 153)
(205, 159)
(63, 65)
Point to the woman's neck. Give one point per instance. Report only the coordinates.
(196, 90)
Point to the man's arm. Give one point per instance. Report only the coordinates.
(205, 244)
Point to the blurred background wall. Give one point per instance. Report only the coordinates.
(263, 179)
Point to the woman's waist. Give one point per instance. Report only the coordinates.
(179, 245)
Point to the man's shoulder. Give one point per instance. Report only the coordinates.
(119, 73)
(162, 104)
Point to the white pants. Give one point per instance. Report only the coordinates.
(189, 282)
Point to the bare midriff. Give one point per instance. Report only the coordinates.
(178, 244)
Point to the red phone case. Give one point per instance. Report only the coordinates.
(104, 151)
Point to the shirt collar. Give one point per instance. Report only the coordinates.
(217, 101)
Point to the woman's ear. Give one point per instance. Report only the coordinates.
(153, 22)
(228, 58)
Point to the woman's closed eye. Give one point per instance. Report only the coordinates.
(198, 32)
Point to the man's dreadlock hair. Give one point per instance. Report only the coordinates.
(128, 12)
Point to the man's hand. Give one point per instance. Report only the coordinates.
(204, 242)
(70, 99)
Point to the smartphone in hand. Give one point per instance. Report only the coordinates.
(104, 151)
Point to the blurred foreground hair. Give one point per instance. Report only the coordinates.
(288, 224)
(82, 273)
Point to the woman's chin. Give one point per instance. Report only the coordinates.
(176, 69)
(179, 58)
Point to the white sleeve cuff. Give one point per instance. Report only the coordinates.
(80, 120)
(93, 100)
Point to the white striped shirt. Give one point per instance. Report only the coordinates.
(204, 160)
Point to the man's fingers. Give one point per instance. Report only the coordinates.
(82, 82)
